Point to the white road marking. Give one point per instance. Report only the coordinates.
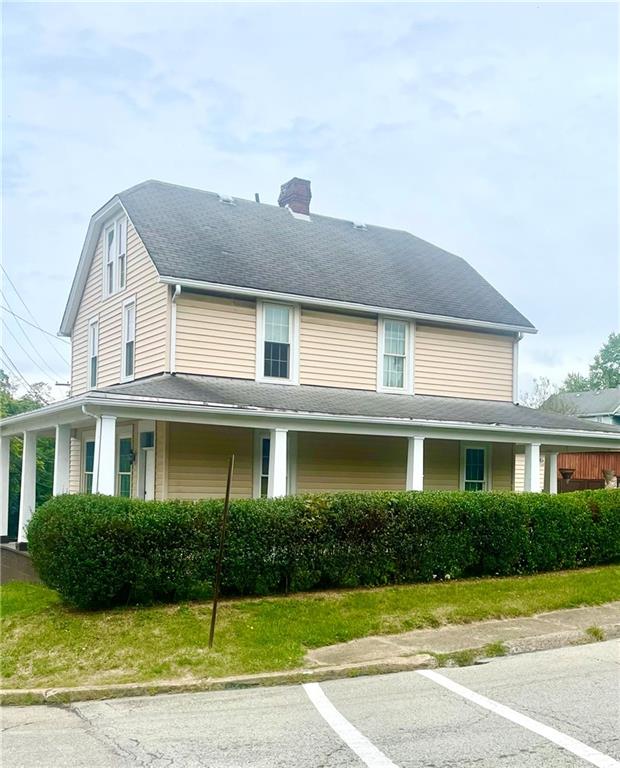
(578, 748)
(356, 741)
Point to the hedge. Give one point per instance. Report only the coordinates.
(101, 551)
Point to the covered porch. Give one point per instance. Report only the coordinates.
(124, 441)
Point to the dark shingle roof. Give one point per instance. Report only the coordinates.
(246, 394)
(191, 234)
(590, 403)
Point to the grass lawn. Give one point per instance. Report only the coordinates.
(45, 644)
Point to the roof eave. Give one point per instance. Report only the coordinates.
(337, 304)
(81, 274)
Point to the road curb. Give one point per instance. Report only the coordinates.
(428, 660)
(17, 697)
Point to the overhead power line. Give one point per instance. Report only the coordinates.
(41, 365)
(23, 320)
(34, 319)
(16, 370)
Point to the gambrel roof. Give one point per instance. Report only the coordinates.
(197, 237)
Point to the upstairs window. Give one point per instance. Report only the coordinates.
(393, 355)
(93, 352)
(129, 339)
(115, 256)
(277, 343)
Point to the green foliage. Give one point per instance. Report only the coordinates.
(604, 370)
(104, 551)
(11, 404)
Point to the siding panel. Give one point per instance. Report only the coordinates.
(216, 336)
(442, 461)
(332, 462)
(151, 319)
(458, 363)
(198, 461)
(338, 350)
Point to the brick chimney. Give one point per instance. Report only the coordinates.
(297, 195)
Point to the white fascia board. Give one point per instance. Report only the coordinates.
(45, 418)
(111, 208)
(259, 293)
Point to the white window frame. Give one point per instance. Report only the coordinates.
(488, 480)
(124, 340)
(87, 437)
(294, 310)
(124, 433)
(93, 350)
(119, 249)
(291, 462)
(407, 387)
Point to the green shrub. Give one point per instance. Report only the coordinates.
(102, 551)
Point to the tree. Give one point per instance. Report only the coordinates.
(11, 404)
(604, 369)
(542, 389)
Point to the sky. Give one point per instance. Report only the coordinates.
(488, 129)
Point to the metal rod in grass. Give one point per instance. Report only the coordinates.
(220, 555)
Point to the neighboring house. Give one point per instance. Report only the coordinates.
(588, 469)
(325, 354)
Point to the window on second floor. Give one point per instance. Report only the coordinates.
(93, 352)
(115, 256)
(394, 358)
(277, 342)
(129, 339)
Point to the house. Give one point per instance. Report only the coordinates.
(325, 354)
(591, 469)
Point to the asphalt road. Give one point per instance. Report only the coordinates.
(553, 708)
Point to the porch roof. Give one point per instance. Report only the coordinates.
(243, 402)
(248, 394)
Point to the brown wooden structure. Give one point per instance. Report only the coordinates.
(588, 469)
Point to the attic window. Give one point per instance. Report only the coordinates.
(115, 256)
(228, 199)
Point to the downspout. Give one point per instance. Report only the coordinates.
(173, 329)
(515, 368)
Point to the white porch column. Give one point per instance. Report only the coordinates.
(104, 474)
(551, 472)
(5, 454)
(27, 495)
(62, 448)
(415, 464)
(532, 467)
(276, 485)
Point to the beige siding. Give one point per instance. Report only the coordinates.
(216, 336)
(337, 350)
(502, 462)
(151, 319)
(331, 462)
(442, 462)
(161, 460)
(75, 462)
(519, 472)
(198, 461)
(460, 363)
